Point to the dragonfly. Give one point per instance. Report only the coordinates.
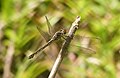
(85, 41)
(59, 34)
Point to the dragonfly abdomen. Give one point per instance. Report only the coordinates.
(41, 48)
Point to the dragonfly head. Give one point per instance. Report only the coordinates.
(63, 31)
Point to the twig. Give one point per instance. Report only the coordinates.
(65, 45)
(8, 61)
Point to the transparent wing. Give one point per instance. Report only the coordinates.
(50, 28)
(86, 49)
(44, 34)
(87, 44)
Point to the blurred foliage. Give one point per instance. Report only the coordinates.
(99, 18)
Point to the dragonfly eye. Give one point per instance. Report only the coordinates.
(63, 31)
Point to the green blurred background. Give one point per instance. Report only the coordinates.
(19, 38)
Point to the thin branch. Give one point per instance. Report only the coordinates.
(8, 61)
(65, 45)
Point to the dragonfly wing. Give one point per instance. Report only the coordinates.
(50, 28)
(87, 44)
(87, 49)
(44, 34)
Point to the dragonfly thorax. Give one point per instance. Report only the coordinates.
(58, 34)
